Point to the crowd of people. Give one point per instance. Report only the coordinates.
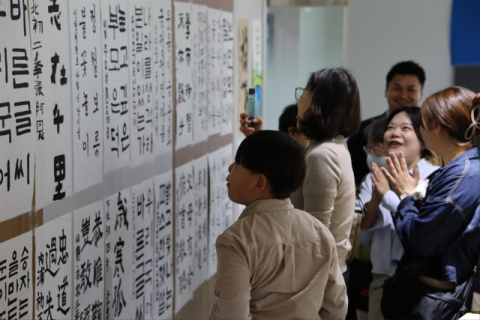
(414, 173)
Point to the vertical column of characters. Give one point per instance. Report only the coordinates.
(118, 256)
(116, 85)
(200, 169)
(227, 75)
(16, 283)
(183, 74)
(89, 246)
(184, 233)
(218, 66)
(16, 110)
(143, 227)
(86, 52)
(53, 256)
(200, 116)
(53, 97)
(163, 247)
(243, 69)
(213, 91)
(162, 65)
(142, 95)
(227, 205)
(214, 167)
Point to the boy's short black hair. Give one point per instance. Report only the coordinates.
(288, 118)
(276, 155)
(407, 68)
(335, 108)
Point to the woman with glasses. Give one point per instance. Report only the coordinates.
(328, 113)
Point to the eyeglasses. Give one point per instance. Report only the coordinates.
(298, 92)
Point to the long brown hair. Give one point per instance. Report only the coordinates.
(456, 110)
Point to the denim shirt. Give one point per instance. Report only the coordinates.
(442, 235)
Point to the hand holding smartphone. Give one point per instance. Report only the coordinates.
(251, 106)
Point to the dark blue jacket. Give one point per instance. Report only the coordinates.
(442, 235)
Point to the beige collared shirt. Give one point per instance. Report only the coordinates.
(277, 262)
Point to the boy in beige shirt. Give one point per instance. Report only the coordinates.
(275, 262)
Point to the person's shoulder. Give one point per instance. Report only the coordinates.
(321, 152)
(317, 228)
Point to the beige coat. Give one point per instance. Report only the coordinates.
(277, 262)
(328, 192)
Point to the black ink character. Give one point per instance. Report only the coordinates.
(59, 176)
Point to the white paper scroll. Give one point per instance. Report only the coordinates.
(89, 268)
(199, 58)
(184, 234)
(53, 99)
(86, 82)
(214, 70)
(162, 66)
(227, 205)
(143, 206)
(200, 169)
(163, 305)
(53, 264)
(183, 73)
(227, 72)
(141, 78)
(216, 215)
(17, 110)
(16, 278)
(118, 256)
(116, 84)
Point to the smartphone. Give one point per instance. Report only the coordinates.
(251, 106)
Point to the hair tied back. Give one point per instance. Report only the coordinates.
(471, 134)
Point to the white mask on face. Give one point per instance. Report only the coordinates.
(379, 161)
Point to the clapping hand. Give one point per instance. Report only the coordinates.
(399, 178)
(379, 182)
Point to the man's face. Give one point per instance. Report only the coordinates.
(403, 90)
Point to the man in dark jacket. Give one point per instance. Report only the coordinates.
(404, 88)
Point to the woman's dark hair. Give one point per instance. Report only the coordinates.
(335, 108)
(414, 114)
(288, 118)
(452, 109)
(375, 131)
(276, 155)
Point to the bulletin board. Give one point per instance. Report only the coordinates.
(116, 131)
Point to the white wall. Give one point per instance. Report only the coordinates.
(300, 40)
(380, 33)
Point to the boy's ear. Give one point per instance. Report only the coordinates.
(262, 184)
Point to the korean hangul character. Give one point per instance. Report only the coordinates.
(3, 266)
(19, 68)
(22, 117)
(18, 10)
(114, 134)
(122, 106)
(5, 114)
(117, 19)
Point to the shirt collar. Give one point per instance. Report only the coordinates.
(314, 143)
(470, 154)
(266, 205)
